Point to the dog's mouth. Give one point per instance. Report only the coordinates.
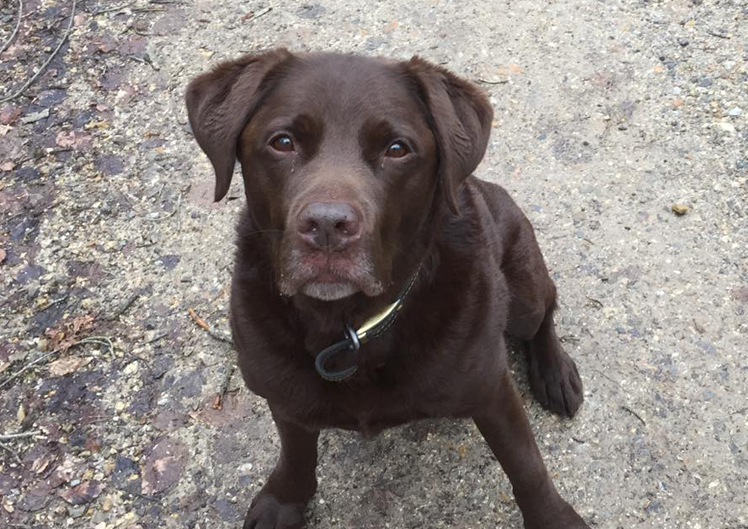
(327, 287)
(328, 277)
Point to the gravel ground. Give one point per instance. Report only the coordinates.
(609, 116)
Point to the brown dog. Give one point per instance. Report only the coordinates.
(362, 214)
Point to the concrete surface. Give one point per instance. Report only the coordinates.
(607, 115)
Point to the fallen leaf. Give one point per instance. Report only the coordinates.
(67, 333)
(42, 463)
(163, 466)
(135, 45)
(65, 138)
(235, 408)
(103, 124)
(125, 95)
(71, 138)
(105, 44)
(84, 493)
(9, 114)
(67, 365)
(740, 294)
(64, 472)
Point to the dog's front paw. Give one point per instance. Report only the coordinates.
(555, 382)
(267, 512)
(564, 517)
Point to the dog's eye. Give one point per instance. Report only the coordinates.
(397, 150)
(282, 143)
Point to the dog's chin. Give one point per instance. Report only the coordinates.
(325, 291)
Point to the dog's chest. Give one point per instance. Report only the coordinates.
(373, 408)
(371, 420)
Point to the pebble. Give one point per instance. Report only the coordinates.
(77, 511)
(735, 111)
(131, 368)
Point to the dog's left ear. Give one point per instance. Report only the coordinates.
(460, 117)
(221, 102)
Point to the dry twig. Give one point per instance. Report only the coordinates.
(718, 34)
(12, 452)
(29, 366)
(197, 319)
(124, 306)
(204, 325)
(34, 77)
(111, 9)
(218, 400)
(19, 435)
(632, 412)
(15, 29)
(260, 13)
(486, 81)
(101, 340)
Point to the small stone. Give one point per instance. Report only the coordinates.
(679, 209)
(9, 114)
(131, 368)
(683, 42)
(119, 406)
(735, 111)
(35, 116)
(77, 511)
(727, 127)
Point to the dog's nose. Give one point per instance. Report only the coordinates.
(331, 226)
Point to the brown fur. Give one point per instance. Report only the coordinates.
(482, 271)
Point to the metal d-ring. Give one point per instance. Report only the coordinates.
(351, 343)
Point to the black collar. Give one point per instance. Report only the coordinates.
(371, 328)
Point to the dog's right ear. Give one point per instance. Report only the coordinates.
(220, 104)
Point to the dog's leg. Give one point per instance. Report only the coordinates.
(553, 375)
(505, 427)
(280, 504)
(554, 378)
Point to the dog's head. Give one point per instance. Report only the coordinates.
(346, 158)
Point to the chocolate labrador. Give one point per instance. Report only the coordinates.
(375, 277)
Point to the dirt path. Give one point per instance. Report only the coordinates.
(607, 115)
